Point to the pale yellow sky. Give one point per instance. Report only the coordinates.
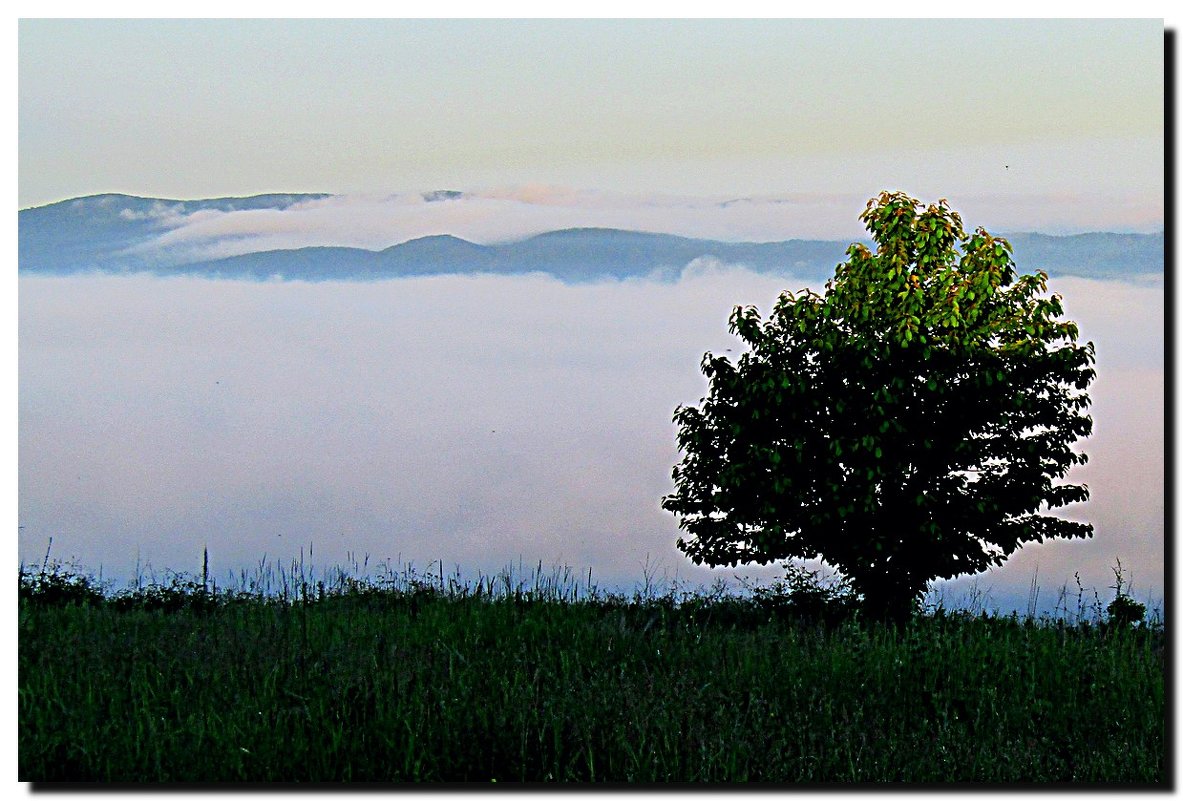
(182, 108)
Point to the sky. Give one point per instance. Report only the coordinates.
(478, 420)
(1053, 115)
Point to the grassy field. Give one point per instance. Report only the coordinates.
(418, 681)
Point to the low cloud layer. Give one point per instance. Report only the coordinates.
(497, 215)
(470, 419)
(487, 216)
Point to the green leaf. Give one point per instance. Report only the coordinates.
(818, 388)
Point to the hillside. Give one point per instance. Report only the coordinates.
(121, 234)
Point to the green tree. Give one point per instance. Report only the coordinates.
(914, 422)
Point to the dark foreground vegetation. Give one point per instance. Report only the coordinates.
(402, 678)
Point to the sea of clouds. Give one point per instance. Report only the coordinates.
(494, 215)
(469, 420)
(377, 221)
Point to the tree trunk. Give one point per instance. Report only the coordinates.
(886, 600)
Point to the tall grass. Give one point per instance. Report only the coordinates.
(539, 677)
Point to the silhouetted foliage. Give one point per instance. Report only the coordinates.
(56, 584)
(911, 423)
(1123, 610)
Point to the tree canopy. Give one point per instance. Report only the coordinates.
(913, 422)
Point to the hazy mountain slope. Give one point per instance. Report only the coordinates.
(438, 254)
(305, 264)
(96, 232)
(574, 255)
(585, 253)
(1096, 255)
(109, 233)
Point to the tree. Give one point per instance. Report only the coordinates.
(912, 423)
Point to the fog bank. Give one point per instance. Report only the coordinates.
(472, 420)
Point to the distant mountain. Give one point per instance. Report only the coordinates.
(584, 253)
(438, 254)
(442, 194)
(573, 255)
(105, 233)
(431, 255)
(1099, 255)
(100, 232)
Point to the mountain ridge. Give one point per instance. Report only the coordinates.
(113, 233)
